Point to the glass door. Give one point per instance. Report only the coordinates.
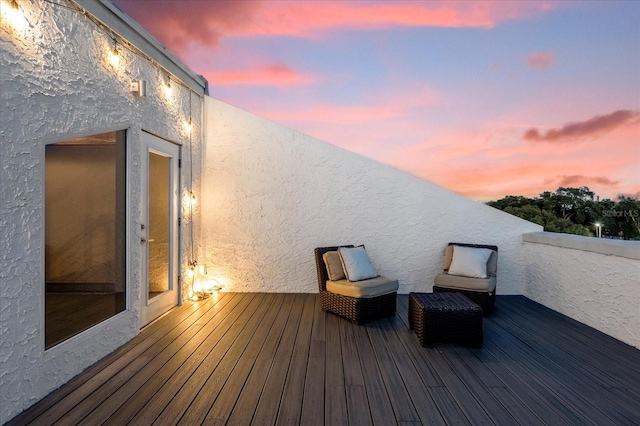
(159, 227)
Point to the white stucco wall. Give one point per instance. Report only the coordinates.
(56, 83)
(272, 194)
(594, 281)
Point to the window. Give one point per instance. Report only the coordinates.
(85, 233)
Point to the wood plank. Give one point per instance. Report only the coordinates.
(358, 410)
(534, 378)
(150, 399)
(137, 411)
(313, 401)
(181, 401)
(201, 404)
(243, 360)
(228, 396)
(491, 405)
(293, 392)
(476, 364)
(379, 400)
(130, 361)
(398, 393)
(146, 338)
(420, 394)
(137, 387)
(246, 403)
(335, 399)
(449, 408)
(587, 386)
(576, 350)
(269, 403)
(569, 387)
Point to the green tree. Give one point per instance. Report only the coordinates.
(576, 211)
(626, 214)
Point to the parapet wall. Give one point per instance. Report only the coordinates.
(594, 281)
(271, 194)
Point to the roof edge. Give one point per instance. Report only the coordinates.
(127, 28)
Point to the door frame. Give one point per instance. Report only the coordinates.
(150, 309)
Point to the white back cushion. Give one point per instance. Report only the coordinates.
(356, 264)
(469, 261)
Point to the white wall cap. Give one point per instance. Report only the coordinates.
(608, 247)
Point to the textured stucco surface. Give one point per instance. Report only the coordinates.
(56, 83)
(272, 194)
(600, 290)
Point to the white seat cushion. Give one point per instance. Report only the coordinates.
(466, 283)
(372, 287)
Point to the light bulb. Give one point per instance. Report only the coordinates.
(167, 89)
(114, 55)
(14, 15)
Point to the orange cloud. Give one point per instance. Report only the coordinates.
(581, 180)
(541, 60)
(278, 75)
(592, 127)
(489, 161)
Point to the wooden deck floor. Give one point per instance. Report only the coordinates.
(278, 359)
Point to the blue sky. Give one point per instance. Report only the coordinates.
(443, 90)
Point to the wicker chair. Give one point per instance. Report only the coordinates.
(358, 310)
(480, 290)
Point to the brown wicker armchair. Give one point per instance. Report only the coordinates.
(358, 309)
(480, 290)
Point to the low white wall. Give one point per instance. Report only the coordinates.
(594, 281)
(272, 194)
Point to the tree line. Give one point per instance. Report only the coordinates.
(577, 211)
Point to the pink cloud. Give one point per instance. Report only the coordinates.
(278, 75)
(331, 113)
(488, 162)
(592, 127)
(541, 60)
(180, 24)
(379, 107)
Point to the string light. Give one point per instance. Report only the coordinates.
(167, 87)
(114, 55)
(13, 15)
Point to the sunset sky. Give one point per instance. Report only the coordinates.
(484, 98)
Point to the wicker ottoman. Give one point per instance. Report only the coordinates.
(445, 317)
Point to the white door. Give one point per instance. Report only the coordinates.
(159, 227)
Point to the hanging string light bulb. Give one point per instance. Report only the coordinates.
(167, 87)
(114, 55)
(13, 15)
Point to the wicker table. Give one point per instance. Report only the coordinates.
(445, 317)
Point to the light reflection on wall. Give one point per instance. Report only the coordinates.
(13, 16)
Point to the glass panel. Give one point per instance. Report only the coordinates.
(85, 233)
(159, 192)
